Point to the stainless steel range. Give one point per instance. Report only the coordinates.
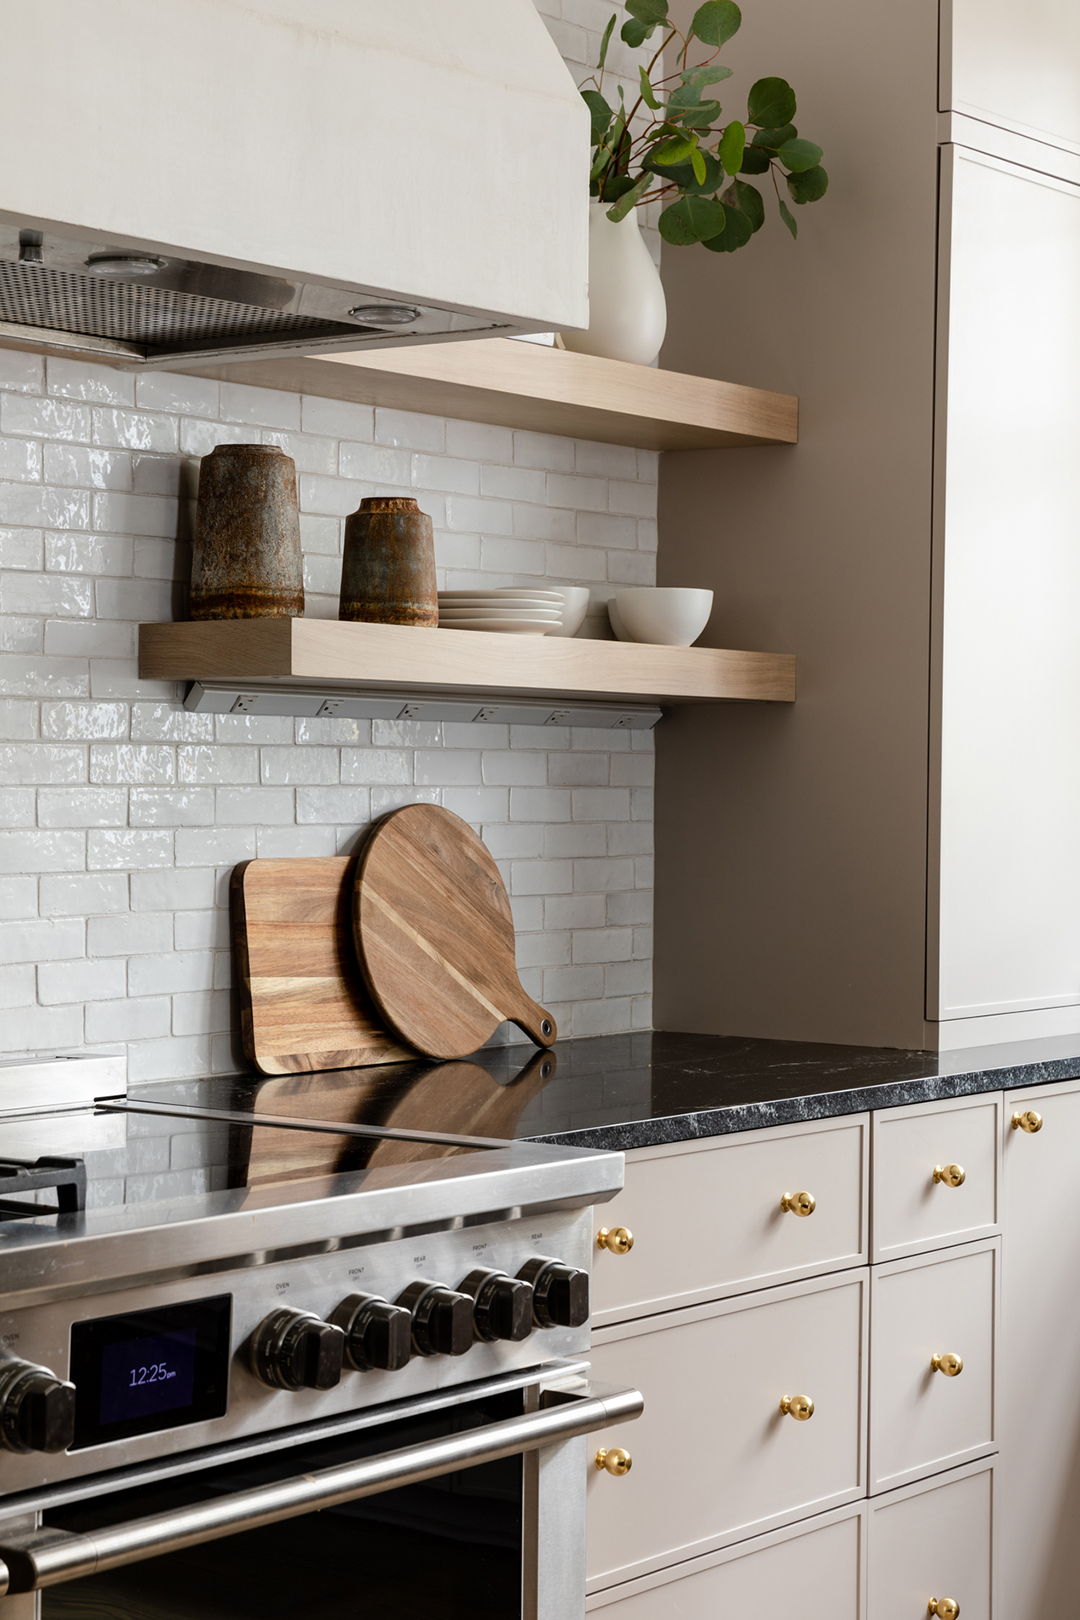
(260, 1357)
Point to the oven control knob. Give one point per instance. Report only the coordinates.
(442, 1321)
(297, 1350)
(560, 1293)
(37, 1409)
(377, 1334)
(502, 1305)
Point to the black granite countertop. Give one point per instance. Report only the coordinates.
(628, 1091)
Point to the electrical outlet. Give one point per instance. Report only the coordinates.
(329, 708)
(558, 717)
(486, 714)
(245, 703)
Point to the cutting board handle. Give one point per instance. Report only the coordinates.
(536, 1022)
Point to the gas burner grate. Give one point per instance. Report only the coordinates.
(66, 1176)
(131, 312)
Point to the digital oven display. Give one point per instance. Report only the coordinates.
(150, 1370)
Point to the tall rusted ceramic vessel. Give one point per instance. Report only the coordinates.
(388, 574)
(247, 562)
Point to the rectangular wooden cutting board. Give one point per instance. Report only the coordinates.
(303, 1004)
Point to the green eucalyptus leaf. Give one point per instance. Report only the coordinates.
(687, 95)
(755, 160)
(603, 158)
(810, 186)
(599, 112)
(673, 151)
(748, 201)
(649, 12)
(685, 177)
(703, 116)
(629, 198)
(705, 75)
(732, 145)
(691, 219)
(775, 138)
(788, 219)
(648, 95)
(716, 21)
(605, 42)
(697, 163)
(798, 156)
(736, 233)
(616, 187)
(634, 33)
(771, 103)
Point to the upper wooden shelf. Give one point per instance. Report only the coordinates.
(457, 661)
(527, 385)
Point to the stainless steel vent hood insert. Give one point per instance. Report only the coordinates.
(212, 179)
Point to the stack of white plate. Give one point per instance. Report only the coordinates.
(515, 610)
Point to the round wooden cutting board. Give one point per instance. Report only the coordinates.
(435, 937)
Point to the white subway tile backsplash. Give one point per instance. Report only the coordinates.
(45, 418)
(60, 982)
(43, 506)
(337, 418)
(21, 373)
(123, 814)
(268, 407)
(82, 807)
(21, 548)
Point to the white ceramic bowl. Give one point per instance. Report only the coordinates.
(615, 622)
(665, 615)
(576, 605)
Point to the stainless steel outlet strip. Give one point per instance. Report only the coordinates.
(49, 1557)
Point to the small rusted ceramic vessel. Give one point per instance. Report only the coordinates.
(388, 574)
(247, 562)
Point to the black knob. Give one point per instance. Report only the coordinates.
(297, 1350)
(377, 1334)
(37, 1409)
(502, 1305)
(442, 1321)
(560, 1293)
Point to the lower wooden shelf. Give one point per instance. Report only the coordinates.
(356, 657)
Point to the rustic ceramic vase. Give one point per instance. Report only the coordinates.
(627, 309)
(247, 562)
(388, 573)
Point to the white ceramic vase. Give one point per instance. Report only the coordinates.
(627, 309)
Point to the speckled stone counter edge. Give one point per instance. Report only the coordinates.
(815, 1105)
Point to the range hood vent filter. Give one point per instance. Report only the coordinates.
(133, 312)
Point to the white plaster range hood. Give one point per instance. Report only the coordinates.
(186, 179)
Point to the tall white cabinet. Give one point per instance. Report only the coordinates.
(1007, 561)
(897, 860)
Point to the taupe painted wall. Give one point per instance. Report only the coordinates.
(791, 843)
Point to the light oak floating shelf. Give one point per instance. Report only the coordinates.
(527, 385)
(389, 662)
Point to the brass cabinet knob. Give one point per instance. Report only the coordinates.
(800, 1407)
(952, 1175)
(616, 1241)
(800, 1203)
(1028, 1121)
(944, 1608)
(616, 1461)
(952, 1366)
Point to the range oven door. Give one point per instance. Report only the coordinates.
(474, 1505)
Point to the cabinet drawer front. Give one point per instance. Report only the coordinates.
(811, 1572)
(921, 1419)
(707, 1220)
(911, 1212)
(932, 1542)
(714, 1459)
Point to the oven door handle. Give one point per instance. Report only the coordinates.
(49, 1557)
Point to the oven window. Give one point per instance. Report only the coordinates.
(451, 1547)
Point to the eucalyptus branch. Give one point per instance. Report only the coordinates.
(702, 153)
